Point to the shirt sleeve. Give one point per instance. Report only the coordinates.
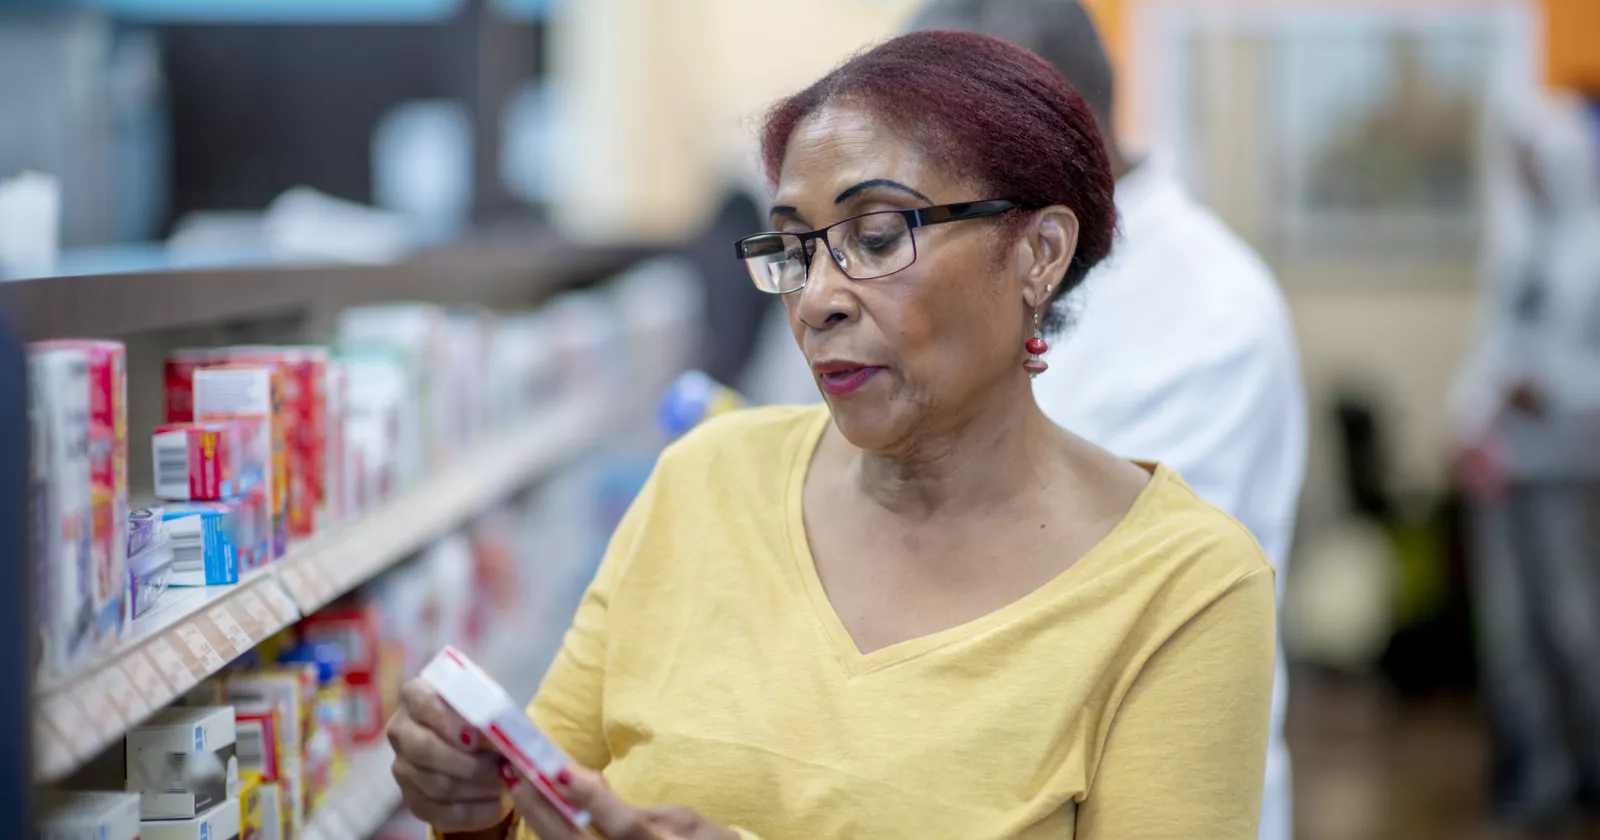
(1186, 752)
(569, 703)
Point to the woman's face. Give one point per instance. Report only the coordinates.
(902, 358)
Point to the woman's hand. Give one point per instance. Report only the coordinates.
(611, 818)
(447, 776)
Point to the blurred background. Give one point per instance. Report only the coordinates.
(180, 173)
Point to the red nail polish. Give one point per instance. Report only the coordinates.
(508, 775)
(564, 777)
(466, 737)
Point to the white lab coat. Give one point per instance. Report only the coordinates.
(1181, 352)
(1553, 343)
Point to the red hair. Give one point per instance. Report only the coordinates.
(991, 110)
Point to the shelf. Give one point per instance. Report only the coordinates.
(193, 633)
(330, 566)
(123, 303)
(368, 796)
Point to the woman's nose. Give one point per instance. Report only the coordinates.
(827, 299)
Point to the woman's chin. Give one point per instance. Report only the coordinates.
(867, 425)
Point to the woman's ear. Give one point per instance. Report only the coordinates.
(1052, 240)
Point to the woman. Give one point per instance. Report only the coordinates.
(921, 610)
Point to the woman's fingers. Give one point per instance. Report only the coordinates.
(614, 818)
(422, 704)
(439, 786)
(423, 748)
(537, 813)
(438, 801)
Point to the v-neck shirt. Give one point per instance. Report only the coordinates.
(1126, 697)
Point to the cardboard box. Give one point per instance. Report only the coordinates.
(259, 741)
(205, 461)
(250, 806)
(182, 761)
(336, 493)
(354, 630)
(108, 483)
(63, 527)
(178, 375)
(292, 692)
(481, 701)
(274, 825)
(306, 405)
(203, 548)
(219, 823)
(228, 392)
(92, 816)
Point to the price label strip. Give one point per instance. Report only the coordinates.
(280, 603)
(120, 693)
(98, 714)
(256, 611)
(51, 756)
(170, 665)
(231, 630)
(66, 719)
(196, 642)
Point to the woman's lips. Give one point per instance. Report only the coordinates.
(839, 381)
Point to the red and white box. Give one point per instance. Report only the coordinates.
(205, 461)
(353, 629)
(305, 409)
(483, 703)
(108, 481)
(63, 521)
(253, 393)
(178, 376)
(257, 743)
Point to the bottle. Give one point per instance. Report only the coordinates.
(692, 399)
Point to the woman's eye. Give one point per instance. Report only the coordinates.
(879, 242)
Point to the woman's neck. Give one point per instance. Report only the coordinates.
(978, 461)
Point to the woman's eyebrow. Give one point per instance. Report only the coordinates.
(878, 182)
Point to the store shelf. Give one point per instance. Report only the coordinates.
(193, 633)
(333, 565)
(359, 806)
(116, 304)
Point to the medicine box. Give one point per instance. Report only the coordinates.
(230, 392)
(203, 550)
(183, 763)
(480, 700)
(219, 823)
(92, 816)
(204, 461)
(58, 408)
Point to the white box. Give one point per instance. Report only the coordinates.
(182, 762)
(219, 823)
(92, 816)
(484, 704)
(63, 532)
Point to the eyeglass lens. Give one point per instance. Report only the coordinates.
(864, 248)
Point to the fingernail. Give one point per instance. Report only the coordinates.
(508, 775)
(466, 737)
(564, 777)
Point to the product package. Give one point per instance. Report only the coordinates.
(182, 761)
(382, 426)
(178, 375)
(150, 560)
(305, 407)
(475, 696)
(291, 691)
(250, 825)
(203, 548)
(63, 527)
(91, 816)
(259, 746)
(355, 631)
(418, 332)
(328, 747)
(205, 461)
(108, 483)
(228, 392)
(335, 466)
(219, 823)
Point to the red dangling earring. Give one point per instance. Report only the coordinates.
(1036, 346)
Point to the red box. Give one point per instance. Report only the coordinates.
(258, 733)
(178, 375)
(205, 461)
(354, 630)
(306, 370)
(365, 711)
(108, 481)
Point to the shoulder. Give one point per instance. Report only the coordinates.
(755, 442)
(1188, 547)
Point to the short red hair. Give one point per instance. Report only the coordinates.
(992, 110)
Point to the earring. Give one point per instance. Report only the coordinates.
(1036, 347)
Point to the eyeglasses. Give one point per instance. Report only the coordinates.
(865, 247)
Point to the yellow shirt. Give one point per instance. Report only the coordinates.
(1125, 699)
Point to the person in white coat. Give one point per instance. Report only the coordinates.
(1187, 354)
(1527, 410)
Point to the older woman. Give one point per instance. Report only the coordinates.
(922, 610)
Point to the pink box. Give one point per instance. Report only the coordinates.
(205, 461)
